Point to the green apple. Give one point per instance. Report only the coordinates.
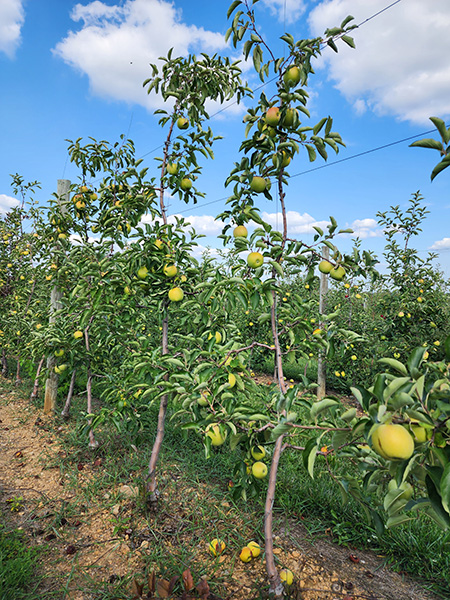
(255, 260)
(292, 76)
(185, 184)
(216, 433)
(258, 184)
(290, 117)
(182, 123)
(176, 294)
(258, 452)
(259, 470)
(142, 272)
(337, 273)
(240, 231)
(172, 168)
(170, 270)
(325, 266)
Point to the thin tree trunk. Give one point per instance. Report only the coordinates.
(92, 441)
(65, 413)
(35, 391)
(321, 362)
(276, 587)
(152, 485)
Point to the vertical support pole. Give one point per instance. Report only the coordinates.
(321, 362)
(51, 384)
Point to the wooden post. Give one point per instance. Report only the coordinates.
(321, 362)
(51, 384)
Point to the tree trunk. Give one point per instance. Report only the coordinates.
(65, 413)
(35, 391)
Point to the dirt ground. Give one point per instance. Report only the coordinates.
(87, 543)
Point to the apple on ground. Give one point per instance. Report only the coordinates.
(78, 334)
(216, 546)
(287, 576)
(246, 554)
(255, 548)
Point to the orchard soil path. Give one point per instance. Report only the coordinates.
(83, 545)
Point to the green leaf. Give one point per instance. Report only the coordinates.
(309, 456)
(441, 516)
(428, 143)
(394, 364)
(397, 520)
(445, 162)
(311, 153)
(415, 358)
(443, 131)
(322, 405)
(280, 429)
(233, 7)
(445, 488)
(349, 41)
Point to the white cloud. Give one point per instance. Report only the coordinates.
(443, 244)
(297, 223)
(286, 10)
(12, 17)
(116, 44)
(400, 66)
(6, 203)
(203, 224)
(365, 228)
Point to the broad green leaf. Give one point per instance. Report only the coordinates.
(445, 162)
(309, 455)
(393, 386)
(443, 131)
(322, 405)
(233, 7)
(428, 143)
(441, 515)
(445, 488)
(394, 364)
(397, 520)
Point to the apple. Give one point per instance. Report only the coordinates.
(325, 266)
(240, 231)
(216, 434)
(185, 184)
(231, 380)
(182, 123)
(259, 470)
(142, 272)
(80, 204)
(255, 260)
(59, 352)
(246, 554)
(217, 335)
(203, 399)
(337, 273)
(255, 548)
(285, 159)
(420, 434)
(270, 131)
(216, 547)
(159, 244)
(172, 168)
(258, 452)
(78, 334)
(258, 184)
(290, 117)
(287, 576)
(292, 76)
(392, 442)
(176, 294)
(272, 116)
(170, 270)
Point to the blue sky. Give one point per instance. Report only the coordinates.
(75, 69)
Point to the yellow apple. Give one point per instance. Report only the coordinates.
(172, 168)
(176, 294)
(159, 244)
(182, 123)
(78, 334)
(259, 470)
(240, 231)
(255, 548)
(325, 266)
(170, 270)
(142, 272)
(287, 576)
(216, 433)
(258, 452)
(255, 260)
(246, 554)
(231, 380)
(392, 442)
(216, 547)
(185, 184)
(337, 273)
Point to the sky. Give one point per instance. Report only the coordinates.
(73, 70)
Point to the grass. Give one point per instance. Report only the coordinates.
(18, 566)
(199, 487)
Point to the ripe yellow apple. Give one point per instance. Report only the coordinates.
(325, 266)
(142, 272)
(287, 576)
(392, 442)
(255, 548)
(185, 184)
(292, 76)
(80, 204)
(170, 270)
(240, 231)
(231, 380)
(258, 452)
(259, 470)
(258, 184)
(78, 334)
(182, 123)
(172, 168)
(272, 116)
(216, 546)
(255, 260)
(217, 335)
(176, 294)
(217, 434)
(159, 244)
(246, 554)
(337, 273)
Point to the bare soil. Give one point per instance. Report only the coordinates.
(86, 546)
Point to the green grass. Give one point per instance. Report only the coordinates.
(18, 566)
